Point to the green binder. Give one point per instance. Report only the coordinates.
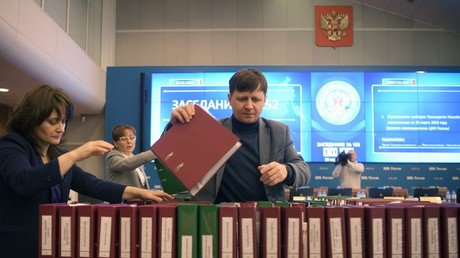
(187, 230)
(168, 181)
(208, 230)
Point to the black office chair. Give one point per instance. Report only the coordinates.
(376, 192)
(302, 191)
(426, 192)
(339, 192)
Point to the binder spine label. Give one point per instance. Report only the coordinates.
(125, 237)
(433, 236)
(336, 236)
(66, 236)
(47, 234)
(207, 251)
(314, 236)
(397, 238)
(246, 237)
(293, 235)
(377, 237)
(166, 236)
(105, 235)
(356, 245)
(146, 237)
(84, 233)
(187, 246)
(416, 237)
(227, 237)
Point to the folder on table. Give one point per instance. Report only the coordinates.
(167, 229)
(48, 230)
(107, 230)
(228, 231)
(86, 227)
(67, 231)
(375, 231)
(147, 231)
(414, 230)
(316, 231)
(247, 231)
(208, 230)
(187, 230)
(128, 227)
(355, 227)
(432, 228)
(336, 231)
(395, 230)
(194, 151)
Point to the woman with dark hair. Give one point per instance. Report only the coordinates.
(123, 166)
(34, 170)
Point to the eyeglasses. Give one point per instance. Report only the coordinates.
(125, 139)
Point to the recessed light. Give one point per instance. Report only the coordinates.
(4, 90)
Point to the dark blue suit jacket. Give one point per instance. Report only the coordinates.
(25, 183)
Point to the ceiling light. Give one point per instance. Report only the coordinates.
(4, 90)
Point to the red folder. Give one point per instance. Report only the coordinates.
(336, 231)
(303, 206)
(247, 231)
(128, 231)
(228, 231)
(270, 231)
(48, 230)
(167, 230)
(147, 219)
(375, 231)
(395, 230)
(291, 230)
(194, 151)
(432, 227)
(316, 231)
(414, 230)
(107, 230)
(354, 221)
(67, 231)
(449, 230)
(86, 230)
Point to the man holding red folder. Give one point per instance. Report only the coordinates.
(267, 161)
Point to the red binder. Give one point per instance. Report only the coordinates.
(316, 231)
(48, 230)
(247, 231)
(354, 221)
(432, 227)
(304, 225)
(86, 230)
(395, 230)
(449, 230)
(228, 231)
(107, 230)
(147, 219)
(194, 151)
(270, 231)
(128, 231)
(414, 230)
(167, 227)
(375, 231)
(67, 231)
(336, 231)
(291, 230)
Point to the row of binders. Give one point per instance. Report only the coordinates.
(248, 229)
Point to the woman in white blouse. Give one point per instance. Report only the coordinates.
(123, 166)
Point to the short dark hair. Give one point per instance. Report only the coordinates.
(34, 108)
(248, 80)
(119, 131)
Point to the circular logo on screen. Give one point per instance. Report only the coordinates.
(338, 102)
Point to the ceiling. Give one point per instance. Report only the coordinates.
(438, 13)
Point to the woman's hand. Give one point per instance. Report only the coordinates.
(144, 194)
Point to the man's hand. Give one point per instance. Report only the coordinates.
(273, 173)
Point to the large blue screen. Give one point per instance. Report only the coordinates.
(386, 117)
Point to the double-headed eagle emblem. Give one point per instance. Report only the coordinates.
(334, 25)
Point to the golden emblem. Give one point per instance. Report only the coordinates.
(334, 25)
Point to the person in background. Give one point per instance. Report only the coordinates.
(35, 170)
(123, 166)
(350, 172)
(267, 162)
